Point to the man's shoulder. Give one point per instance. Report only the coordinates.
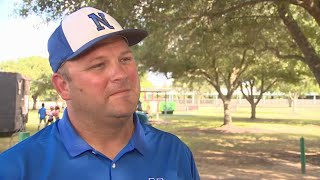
(32, 152)
(30, 146)
(158, 132)
(161, 136)
(166, 144)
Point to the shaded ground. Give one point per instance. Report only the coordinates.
(249, 152)
(256, 164)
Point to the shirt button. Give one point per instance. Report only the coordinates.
(114, 165)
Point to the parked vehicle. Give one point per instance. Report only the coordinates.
(14, 91)
(167, 107)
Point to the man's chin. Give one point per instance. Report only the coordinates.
(123, 113)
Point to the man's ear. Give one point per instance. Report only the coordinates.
(61, 85)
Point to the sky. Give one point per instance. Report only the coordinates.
(22, 37)
(25, 37)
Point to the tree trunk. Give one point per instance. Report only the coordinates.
(34, 106)
(311, 57)
(253, 110)
(290, 101)
(227, 121)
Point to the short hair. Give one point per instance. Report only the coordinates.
(63, 71)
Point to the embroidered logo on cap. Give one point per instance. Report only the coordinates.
(100, 19)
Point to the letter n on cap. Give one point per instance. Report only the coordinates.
(100, 19)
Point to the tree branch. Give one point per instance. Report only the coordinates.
(277, 53)
(214, 83)
(263, 90)
(236, 7)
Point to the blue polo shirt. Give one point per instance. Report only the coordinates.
(42, 112)
(58, 152)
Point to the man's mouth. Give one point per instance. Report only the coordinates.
(120, 92)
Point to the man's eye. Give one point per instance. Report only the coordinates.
(126, 59)
(100, 65)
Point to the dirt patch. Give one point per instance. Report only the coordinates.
(237, 130)
(157, 122)
(246, 163)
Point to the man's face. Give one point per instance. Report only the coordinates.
(104, 81)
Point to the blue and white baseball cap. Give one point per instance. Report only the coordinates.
(81, 30)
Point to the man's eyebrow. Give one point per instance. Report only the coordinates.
(97, 58)
(126, 52)
(103, 57)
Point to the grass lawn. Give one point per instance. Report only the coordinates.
(265, 148)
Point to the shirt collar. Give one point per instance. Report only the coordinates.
(138, 139)
(75, 145)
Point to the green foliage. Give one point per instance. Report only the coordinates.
(308, 25)
(37, 69)
(186, 36)
(56, 9)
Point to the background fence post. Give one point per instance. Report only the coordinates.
(302, 156)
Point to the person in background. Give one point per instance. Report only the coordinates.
(99, 136)
(139, 107)
(42, 115)
(50, 115)
(56, 113)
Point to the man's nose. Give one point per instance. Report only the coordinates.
(118, 72)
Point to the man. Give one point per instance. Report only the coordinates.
(42, 115)
(99, 135)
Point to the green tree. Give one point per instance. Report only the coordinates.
(258, 81)
(299, 18)
(38, 70)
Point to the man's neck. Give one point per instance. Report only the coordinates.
(108, 136)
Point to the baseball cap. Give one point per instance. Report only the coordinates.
(81, 30)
